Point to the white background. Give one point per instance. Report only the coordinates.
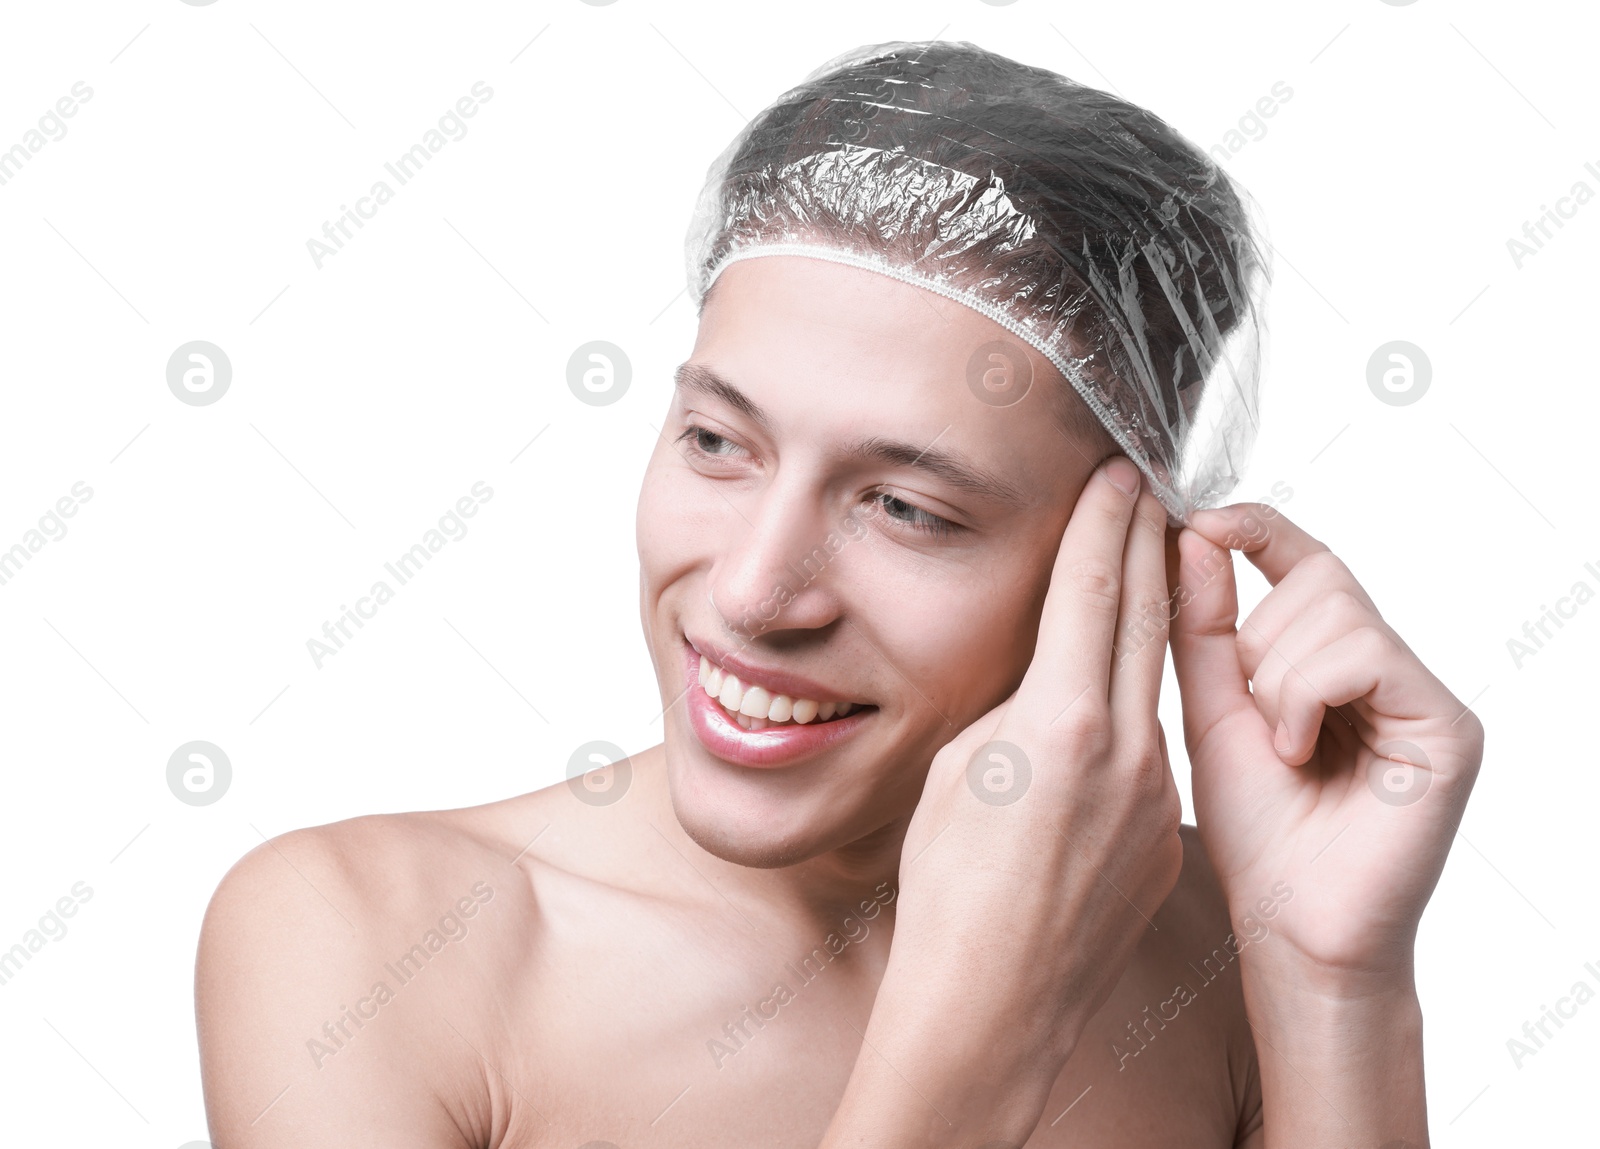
(369, 395)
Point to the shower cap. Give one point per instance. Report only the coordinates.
(1086, 226)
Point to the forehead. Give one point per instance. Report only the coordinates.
(845, 312)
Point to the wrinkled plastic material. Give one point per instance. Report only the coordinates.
(1084, 225)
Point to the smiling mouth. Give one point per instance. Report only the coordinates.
(756, 708)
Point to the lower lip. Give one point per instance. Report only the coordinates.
(764, 749)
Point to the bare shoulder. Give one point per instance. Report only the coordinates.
(1191, 944)
(328, 964)
(1200, 951)
(380, 862)
(1175, 1025)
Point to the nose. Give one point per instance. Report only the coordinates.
(777, 571)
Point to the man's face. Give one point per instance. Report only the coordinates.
(870, 531)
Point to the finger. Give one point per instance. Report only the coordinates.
(1364, 664)
(1365, 667)
(1142, 619)
(1303, 603)
(1072, 659)
(1299, 616)
(1267, 536)
(1204, 651)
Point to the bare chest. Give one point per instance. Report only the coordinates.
(644, 1030)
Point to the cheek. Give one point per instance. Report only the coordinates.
(672, 525)
(994, 641)
(964, 639)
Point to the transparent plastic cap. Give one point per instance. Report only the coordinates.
(1086, 226)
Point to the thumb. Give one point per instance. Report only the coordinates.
(1203, 635)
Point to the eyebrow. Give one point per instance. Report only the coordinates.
(945, 465)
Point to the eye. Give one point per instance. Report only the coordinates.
(913, 516)
(705, 442)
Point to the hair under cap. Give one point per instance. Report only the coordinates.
(1085, 226)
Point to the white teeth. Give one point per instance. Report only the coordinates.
(756, 703)
(756, 708)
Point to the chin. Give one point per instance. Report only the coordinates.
(755, 851)
(761, 830)
(763, 819)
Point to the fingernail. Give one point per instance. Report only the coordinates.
(1281, 742)
(1123, 475)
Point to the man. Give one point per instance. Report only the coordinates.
(906, 869)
